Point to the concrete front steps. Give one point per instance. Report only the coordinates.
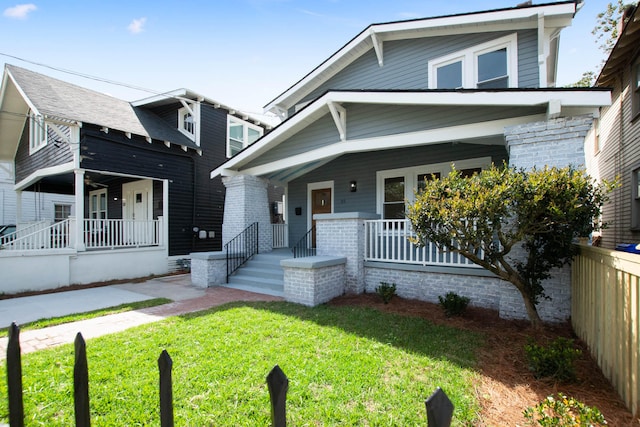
(262, 274)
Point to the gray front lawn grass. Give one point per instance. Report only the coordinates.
(346, 366)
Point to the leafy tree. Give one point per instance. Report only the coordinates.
(606, 29)
(516, 224)
(606, 35)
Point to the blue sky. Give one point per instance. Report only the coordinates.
(242, 53)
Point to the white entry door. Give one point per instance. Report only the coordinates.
(137, 209)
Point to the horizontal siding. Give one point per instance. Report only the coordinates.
(365, 121)
(528, 71)
(619, 155)
(362, 168)
(50, 155)
(406, 62)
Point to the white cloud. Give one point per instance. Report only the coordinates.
(19, 11)
(137, 25)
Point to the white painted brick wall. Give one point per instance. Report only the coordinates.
(313, 286)
(246, 202)
(485, 292)
(557, 142)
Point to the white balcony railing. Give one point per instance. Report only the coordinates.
(388, 241)
(280, 235)
(38, 237)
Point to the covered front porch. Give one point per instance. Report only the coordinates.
(119, 230)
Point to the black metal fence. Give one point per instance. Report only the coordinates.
(241, 248)
(439, 407)
(277, 382)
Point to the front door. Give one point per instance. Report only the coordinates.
(320, 203)
(137, 200)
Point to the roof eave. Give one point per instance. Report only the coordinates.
(562, 13)
(588, 98)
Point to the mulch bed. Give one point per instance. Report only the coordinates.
(507, 387)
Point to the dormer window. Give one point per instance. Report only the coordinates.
(186, 122)
(37, 133)
(240, 134)
(491, 65)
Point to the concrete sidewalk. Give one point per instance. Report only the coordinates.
(186, 297)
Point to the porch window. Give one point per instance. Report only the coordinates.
(186, 122)
(394, 198)
(635, 199)
(37, 133)
(240, 134)
(397, 186)
(98, 204)
(61, 212)
(485, 66)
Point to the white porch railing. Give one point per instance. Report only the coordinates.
(55, 236)
(121, 233)
(98, 234)
(388, 241)
(280, 236)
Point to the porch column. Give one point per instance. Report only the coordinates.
(556, 142)
(18, 208)
(79, 202)
(165, 215)
(342, 235)
(246, 202)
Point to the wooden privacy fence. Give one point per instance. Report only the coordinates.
(439, 407)
(605, 313)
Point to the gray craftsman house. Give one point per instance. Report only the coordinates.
(399, 102)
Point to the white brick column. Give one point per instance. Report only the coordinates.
(556, 142)
(342, 235)
(246, 202)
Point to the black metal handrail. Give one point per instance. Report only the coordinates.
(305, 247)
(241, 248)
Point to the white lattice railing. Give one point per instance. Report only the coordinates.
(280, 235)
(388, 241)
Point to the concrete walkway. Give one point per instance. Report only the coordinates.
(186, 298)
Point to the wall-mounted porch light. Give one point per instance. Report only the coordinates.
(353, 186)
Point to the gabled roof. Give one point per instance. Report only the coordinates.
(622, 53)
(555, 15)
(189, 95)
(67, 102)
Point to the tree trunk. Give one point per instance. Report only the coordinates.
(532, 312)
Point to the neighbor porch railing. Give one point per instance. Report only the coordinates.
(38, 237)
(98, 234)
(121, 233)
(280, 235)
(387, 240)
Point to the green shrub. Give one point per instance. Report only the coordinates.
(563, 411)
(386, 291)
(556, 360)
(453, 304)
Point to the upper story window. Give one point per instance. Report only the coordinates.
(37, 133)
(240, 134)
(186, 122)
(490, 65)
(635, 87)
